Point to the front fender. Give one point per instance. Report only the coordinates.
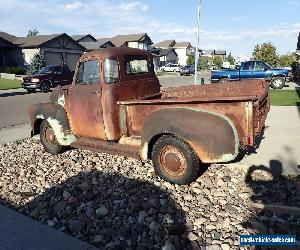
(213, 136)
(57, 117)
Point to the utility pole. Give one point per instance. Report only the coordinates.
(197, 45)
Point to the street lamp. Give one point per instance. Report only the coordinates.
(197, 45)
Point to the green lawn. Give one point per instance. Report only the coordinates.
(9, 84)
(285, 97)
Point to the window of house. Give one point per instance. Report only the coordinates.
(136, 65)
(111, 70)
(88, 72)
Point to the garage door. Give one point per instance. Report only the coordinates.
(72, 60)
(53, 58)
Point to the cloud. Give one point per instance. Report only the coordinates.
(71, 6)
(132, 6)
(294, 3)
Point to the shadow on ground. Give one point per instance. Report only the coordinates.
(111, 211)
(271, 191)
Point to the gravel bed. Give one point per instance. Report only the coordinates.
(115, 202)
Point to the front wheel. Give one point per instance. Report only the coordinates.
(277, 82)
(46, 87)
(48, 139)
(175, 161)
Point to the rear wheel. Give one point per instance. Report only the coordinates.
(174, 70)
(46, 87)
(48, 139)
(224, 80)
(277, 82)
(174, 160)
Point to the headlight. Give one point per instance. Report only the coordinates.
(35, 80)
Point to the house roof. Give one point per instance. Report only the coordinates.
(120, 40)
(35, 41)
(95, 45)
(182, 45)
(8, 37)
(79, 37)
(164, 52)
(165, 44)
(220, 52)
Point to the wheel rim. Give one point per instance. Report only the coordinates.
(277, 82)
(47, 87)
(172, 161)
(49, 135)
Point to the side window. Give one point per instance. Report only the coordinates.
(248, 66)
(136, 65)
(111, 70)
(88, 72)
(259, 66)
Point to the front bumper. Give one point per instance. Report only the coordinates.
(29, 85)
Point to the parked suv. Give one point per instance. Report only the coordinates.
(170, 67)
(187, 70)
(47, 78)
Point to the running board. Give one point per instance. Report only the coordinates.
(108, 147)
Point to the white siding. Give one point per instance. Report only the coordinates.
(182, 55)
(133, 45)
(28, 55)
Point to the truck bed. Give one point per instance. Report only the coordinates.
(245, 103)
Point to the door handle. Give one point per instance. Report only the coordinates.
(96, 92)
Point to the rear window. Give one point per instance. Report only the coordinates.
(136, 65)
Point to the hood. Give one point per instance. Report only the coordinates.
(39, 76)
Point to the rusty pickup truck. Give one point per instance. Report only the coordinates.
(115, 105)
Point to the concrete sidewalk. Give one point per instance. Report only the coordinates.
(279, 146)
(20, 232)
(14, 133)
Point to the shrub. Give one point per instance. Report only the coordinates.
(17, 70)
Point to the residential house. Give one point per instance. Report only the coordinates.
(212, 53)
(10, 54)
(298, 48)
(139, 41)
(221, 53)
(57, 48)
(84, 38)
(182, 49)
(99, 44)
(164, 56)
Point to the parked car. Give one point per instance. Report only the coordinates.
(187, 70)
(119, 109)
(253, 70)
(170, 67)
(296, 72)
(47, 78)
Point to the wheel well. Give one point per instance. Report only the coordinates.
(152, 142)
(279, 76)
(37, 126)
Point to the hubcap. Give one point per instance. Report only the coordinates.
(49, 135)
(172, 161)
(277, 83)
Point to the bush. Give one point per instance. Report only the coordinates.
(17, 70)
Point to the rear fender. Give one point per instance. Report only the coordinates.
(57, 117)
(213, 136)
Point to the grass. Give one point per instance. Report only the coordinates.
(9, 84)
(285, 97)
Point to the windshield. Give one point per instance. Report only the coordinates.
(268, 65)
(47, 70)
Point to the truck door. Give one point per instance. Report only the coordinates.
(83, 102)
(260, 70)
(246, 70)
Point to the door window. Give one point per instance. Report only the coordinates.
(111, 70)
(88, 72)
(259, 66)
(248, 66)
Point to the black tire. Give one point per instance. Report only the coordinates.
(181, 74)
(174, 70)
(31, 90)
(224, 80)
(52, 146)
(189, 163)
(46, 87)
(277, 82)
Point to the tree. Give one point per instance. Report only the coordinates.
(37, 63)
(266, 52)
(230, 59)
(204, 63)
(190, 60)
(33, 32)
(218, 61)
(287, 60)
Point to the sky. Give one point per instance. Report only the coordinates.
(231, 25)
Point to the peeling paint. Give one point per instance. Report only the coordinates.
(61, 100)
(62, 138)
(144, 151)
